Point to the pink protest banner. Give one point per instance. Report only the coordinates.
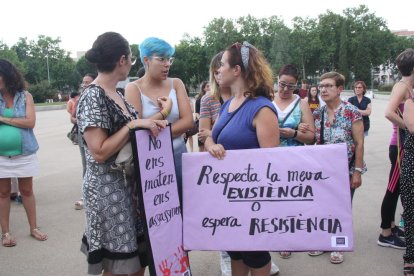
(279, 199)
(158, 198)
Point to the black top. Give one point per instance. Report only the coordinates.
(197, 105)
(362, 106)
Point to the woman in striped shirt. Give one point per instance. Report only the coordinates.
(211, 102)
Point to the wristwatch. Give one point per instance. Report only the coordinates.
(358, 169)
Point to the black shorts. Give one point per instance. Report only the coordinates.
(253, 259)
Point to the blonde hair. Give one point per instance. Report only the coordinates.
(214, 65)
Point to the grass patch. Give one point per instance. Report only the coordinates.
(49, 104)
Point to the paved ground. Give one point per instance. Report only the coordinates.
(58, 186)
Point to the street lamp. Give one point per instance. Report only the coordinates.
(47, 64)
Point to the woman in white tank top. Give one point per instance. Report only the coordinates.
(158, 97)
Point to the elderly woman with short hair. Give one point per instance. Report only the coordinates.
(340, 122)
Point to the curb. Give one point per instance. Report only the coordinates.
(50, 107)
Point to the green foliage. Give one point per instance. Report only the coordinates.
(351, 43)
(10, 55)
(83, 67)
(304, 41)
(343, 54)
(191, 63)
(387, 87)
(42, 91)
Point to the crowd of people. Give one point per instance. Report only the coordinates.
(238, 108)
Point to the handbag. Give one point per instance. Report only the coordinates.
(73, 134)
(124, 161)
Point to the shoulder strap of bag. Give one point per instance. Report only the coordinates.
(290, 112)
(232, 115)
(322, 125)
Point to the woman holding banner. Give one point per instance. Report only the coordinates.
(104, 117)
(209, 111)
(246, 121)
(157, 96)
(340, 122)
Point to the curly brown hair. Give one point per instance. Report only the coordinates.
(12, 78)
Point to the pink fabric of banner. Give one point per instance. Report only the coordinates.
(162, 207)
(279, 199)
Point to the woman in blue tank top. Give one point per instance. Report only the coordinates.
(247, 121)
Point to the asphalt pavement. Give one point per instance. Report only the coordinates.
(58, 186)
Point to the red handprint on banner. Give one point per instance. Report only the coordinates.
(166, 271)
(183, 259)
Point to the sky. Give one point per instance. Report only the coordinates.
(78, 23)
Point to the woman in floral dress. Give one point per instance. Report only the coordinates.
(340, 122)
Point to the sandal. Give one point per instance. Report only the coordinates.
(315, 253)
(7, 240)
(79, 204)
(408, 270)
(38, 235)
(285, 254)
(337, 257)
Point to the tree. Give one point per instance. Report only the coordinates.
(45, 60)
(191, 63)
(251, 30)
(329, 28)
(304, 41)
(343, 66)
(84, 67)
(138, 64)
(219, 34)
(11, 56)
(368, 42)
(276, 42)
(42, 91)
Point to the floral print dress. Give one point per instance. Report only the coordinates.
(340, 131)
(407, 195)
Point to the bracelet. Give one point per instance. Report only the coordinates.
(162, 115)
(165, 113)
(296, 134)
(358, 169)
(127, 125)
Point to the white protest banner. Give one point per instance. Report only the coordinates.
(279, 199)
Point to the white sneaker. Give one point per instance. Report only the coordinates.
(225, 264)
(274, 270)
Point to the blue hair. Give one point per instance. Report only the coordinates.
(153, 45)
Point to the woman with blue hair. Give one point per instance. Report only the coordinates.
(157, 96)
